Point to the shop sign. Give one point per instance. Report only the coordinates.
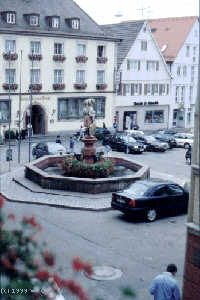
(146, 103)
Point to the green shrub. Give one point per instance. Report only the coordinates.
(12, 135)
(76, 168)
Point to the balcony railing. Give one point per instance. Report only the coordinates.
(10, 86)
(35, 57)
(80, 86)
(102, 60)
(58, 86)
(101, 86)
(81, 59)
(10, 56)
(35, 86)
(59, 58)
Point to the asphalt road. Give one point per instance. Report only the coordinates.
(140, 250)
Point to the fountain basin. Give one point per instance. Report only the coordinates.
(35, 171)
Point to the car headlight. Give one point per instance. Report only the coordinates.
(136, 147)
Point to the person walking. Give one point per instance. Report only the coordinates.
(58, 139)
(165, 286)
(71, 145)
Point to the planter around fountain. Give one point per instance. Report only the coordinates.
(35, 171)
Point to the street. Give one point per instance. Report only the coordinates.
(140, 250)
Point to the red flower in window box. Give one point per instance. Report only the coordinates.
(81, 59)
(80, 86)
(102, 60)
(11, 86)
(35, 86)
(102, 86)
(10, 56)
(58, 86)
(59, 58)
(35, 57)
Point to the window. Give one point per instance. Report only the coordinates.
(177, 94)
(136, 89)
(152, 65)
(34, 20)
(101, 51)
(35, 47)
(184, 71)
(182, 94)
(55, 22)
(100, 77)
(144, 45)
(161, 192)
(80, 76)
(156, 116)
(58, 76)
(72, 108)
(75, 23)
(10, 46)
(35, 76)
(147, 89)
(81, 50)
(188, 118)
(155, 89)
(10, 76)
(191, 93)
(174, 190)
(11, 18)
(192, 73)
(58, 49)
(179, 71)
(187, 51)
(133, 64)
(4, 111)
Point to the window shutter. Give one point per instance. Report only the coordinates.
(132, 89)
(167, 89)
(145, 89)
(138, 65)
(160, 89)
(152, 89)
(124, 89)
(128, 64)
(157, 65)
(140, 89)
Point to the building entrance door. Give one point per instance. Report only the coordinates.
(38, 119)
(130, 119)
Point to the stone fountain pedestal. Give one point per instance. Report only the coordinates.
(89, 151)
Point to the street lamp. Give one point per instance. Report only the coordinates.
(30, 112)
(9, 150)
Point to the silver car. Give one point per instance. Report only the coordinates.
(48, 148)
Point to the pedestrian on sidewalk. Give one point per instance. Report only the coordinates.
(165, 286)
(71, 145)
(58, 139)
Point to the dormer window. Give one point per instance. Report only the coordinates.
(53, 21)
(73, 23)
(34, 20)
(10, 18)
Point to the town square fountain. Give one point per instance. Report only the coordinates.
(125, 171)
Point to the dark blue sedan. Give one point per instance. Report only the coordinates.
(151, 199)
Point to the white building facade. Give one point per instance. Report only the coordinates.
(50, 64)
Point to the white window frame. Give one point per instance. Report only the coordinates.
(182, 93)
(75, 24)
(135, 89)
(191, 93)
(35, 47)
(10, 46)
(185, 71)
(81, 49)
(100, 77)
(149, 87)
(55, 22)
(34, 20)
(10, 18)
(192, 73)
(127, 89)
(177, 94)
(133, 64)
(178, 72)
(80, 76)
(156, 93)
(35, 76)
(10, 76)
(58, 47)
(58, 76)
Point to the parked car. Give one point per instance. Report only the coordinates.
(151, 199)
(152, 144)
(166, 138)
(101, 132)
(123, 142)
(168, 131)
(184, 140)
(48, 148)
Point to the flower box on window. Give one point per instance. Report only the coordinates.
(59, 58)
(35, 56)
(102, 86)
(35, 86)
(10, 56)
(81, 59)
(80, 86)
(58, 86)
(10, 86)
(102, 60)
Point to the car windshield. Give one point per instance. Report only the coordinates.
(150, 139)
(129, 139)
(137, 189)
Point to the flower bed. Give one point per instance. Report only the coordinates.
(76, 168)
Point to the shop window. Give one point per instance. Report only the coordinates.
(154, 116)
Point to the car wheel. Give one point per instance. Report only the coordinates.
(151, 215)
(186, 146)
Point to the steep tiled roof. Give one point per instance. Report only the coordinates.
(127, 31)
(171, 32)
(63, 8)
